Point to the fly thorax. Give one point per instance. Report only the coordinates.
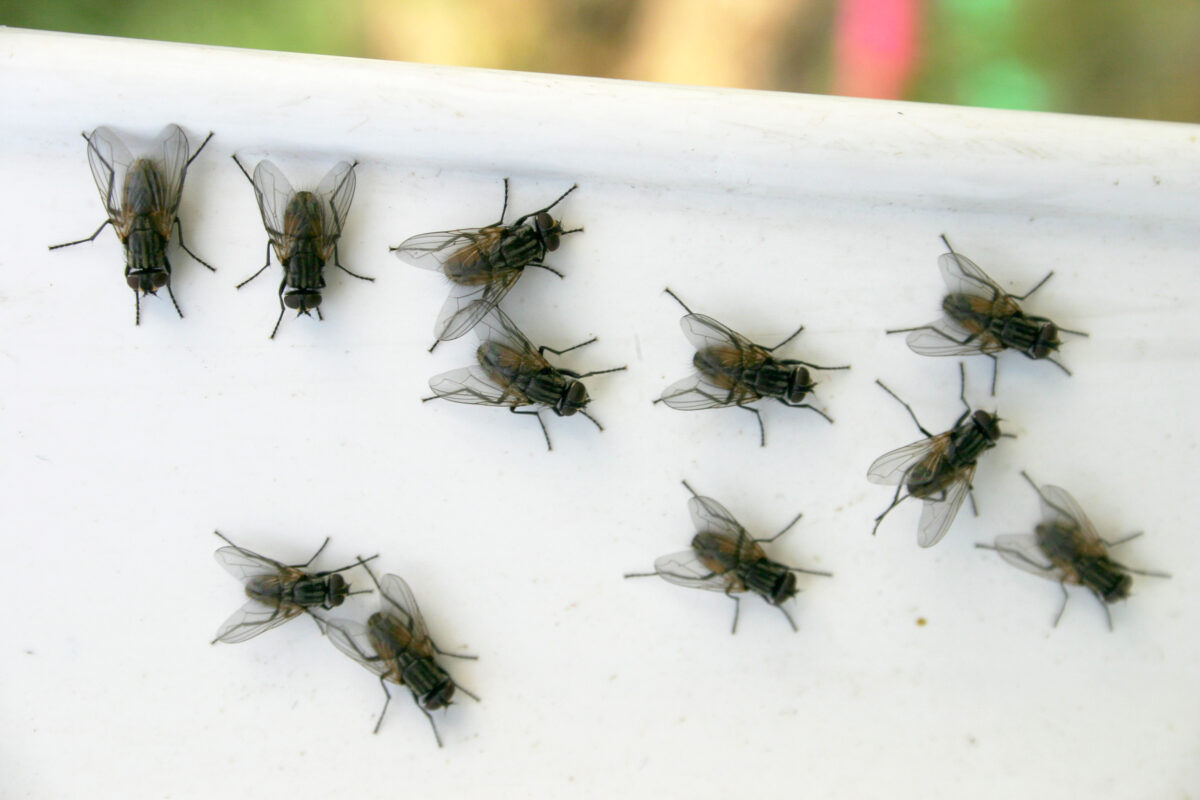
(773, 581)
(1103, 577)
(423, 675)
(771, 379)
(309, 592)
(519, 248)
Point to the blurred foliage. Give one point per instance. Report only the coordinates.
(1108, 57)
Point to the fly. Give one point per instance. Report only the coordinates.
(304, 228)
(732, 371)
(141, 198)
(725, 558)
(278, 592)
(982, 318)
(484, 263)
(937, 469)
(395, 645)
(514, 374)
(1065, 547)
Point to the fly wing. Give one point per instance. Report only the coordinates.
(170, 154)
(1021, 550)
(945, 337)
(685, 569)
(710, 516)
(499, 327)
(274, 193)
(252, 619)
(937, 515)
(336, 192)
(397, 598)
(697, 391)
(351, 638)
(472, 385)
(705, 332)
(469, 303)
(432, 250)
(963, 276)
(890, 468)
(110, 160)
(1059, 505)
(245, 564)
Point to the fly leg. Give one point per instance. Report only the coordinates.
(388, 695)
(896, 500)
(179, 229)
(786, 528)
(785, 341)
(171, 295)
(429, 717)
(198, 149)
(260, 269)
(314, 556)
(737, 610)
(337, 263)
(1036, 286)
(828, 418)
(762, 432)
(907, 408)
(788, 616)
(1107, 613)
(542, 350)
(463, 656)
(282, 307)
(546, 267)
(595, 421)
(137, 307)
(91, 238)
(545, 432)
(1062, 585)
(677, 300)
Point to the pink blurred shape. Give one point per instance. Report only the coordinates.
(875, 47)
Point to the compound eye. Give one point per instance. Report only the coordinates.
(293, 300)
(159, 279)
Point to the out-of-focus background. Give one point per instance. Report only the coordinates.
(1128, 58)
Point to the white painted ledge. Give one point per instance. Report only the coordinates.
(124, 447)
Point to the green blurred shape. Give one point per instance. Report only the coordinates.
(1004, 83)
(979, 9)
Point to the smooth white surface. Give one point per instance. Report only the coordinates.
(124, 447)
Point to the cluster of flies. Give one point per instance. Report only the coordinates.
(394, 643)
(141, 198)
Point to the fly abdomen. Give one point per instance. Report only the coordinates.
(518, 249)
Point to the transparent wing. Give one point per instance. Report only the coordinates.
(473, 386)
(470, 303)
(1021, 550)
(252, 619)
(432, 250)
(937, 515)
(1059, 505)
(397, 598)
(274, 193)
(890, 468)
(110, 160)
(685, 569)
(170, 153)
(945, 337)
(963, 276)
(697, 391)
(245, 564)
(351, 638)
(705, 332)
(499, 327)
(336, 192)
(709, 515)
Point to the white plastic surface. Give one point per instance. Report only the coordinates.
(124, 447)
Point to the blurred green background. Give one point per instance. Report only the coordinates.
(1109, 57)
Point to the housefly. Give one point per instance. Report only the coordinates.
(1065, 547)
(141, 198)
(304, 228)
(724, 557)
(731, 370)
(980, 317)
(937, 469)
(278, 592)
(396, 646)
(514, 374)
(484, 263)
